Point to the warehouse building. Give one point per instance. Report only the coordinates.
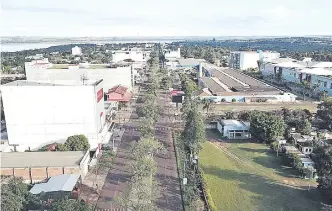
(43, 70)
(39, 166)
(317, 74)
(38, 113)
(229, 85)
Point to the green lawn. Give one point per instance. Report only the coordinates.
(235, 186)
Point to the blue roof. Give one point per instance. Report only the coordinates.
(64, 182)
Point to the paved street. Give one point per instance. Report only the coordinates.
(117, 179)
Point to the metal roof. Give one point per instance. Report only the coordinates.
(212, 85)
(64, 182)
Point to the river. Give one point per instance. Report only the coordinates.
(12, 47)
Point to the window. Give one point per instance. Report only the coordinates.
(331, 86)
(238, 134)
(294, 75)
(325, 84)
(306, 150)
(310, 150)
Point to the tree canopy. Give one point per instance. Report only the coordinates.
(75, 143)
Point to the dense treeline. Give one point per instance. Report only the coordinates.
(320, 49)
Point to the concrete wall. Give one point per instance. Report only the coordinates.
(287, 97)
(39, 115)
(219, 127)
(110, 76)
(33, 175)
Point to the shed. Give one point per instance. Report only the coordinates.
(59, 185)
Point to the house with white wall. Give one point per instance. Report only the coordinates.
(234, 129)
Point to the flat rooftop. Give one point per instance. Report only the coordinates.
(213, 86)
(232, 122)
(90, 66)
(41, 159)
(190, 61)
(55, 83)
(238, 82)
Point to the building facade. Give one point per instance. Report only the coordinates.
(244, 60)
(76, 51)
(172, 55)
(135, 55)
(48, 72)
(317, 74)
(38, 114)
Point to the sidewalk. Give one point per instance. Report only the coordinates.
(89, 192)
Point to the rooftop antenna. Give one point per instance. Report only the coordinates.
(84, 78)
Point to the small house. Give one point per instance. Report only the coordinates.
(290, 150)
(234, 129)
(307, 162)
(298, 138)
(305, 148)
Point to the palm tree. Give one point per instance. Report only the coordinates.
(206, 104)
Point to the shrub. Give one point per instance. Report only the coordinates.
(233, 100)
(274, 146)
(207, 191)
(295, 161)
(76, 143)
(223, 100)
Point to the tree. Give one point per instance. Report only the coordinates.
(197, 205)
(77, 143)
(230, 115)
(324, 113)
(267, 127)
(15, 196)
(305, 127)
(323, 161)
(206, 104)
(295, 161)
(146, 146)
(194, 131)
(147, 128)
(143, 167)
(70, 205)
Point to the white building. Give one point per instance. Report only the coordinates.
(172, 55)
(48, 72)
(244, 60)
(76, 51)
(234, 129)
(318, 74)
(135, 54)
(43, 113)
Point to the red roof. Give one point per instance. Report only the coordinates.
(176, 92)
(119, 93)
(118, 89)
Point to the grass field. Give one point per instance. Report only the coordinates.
(257, 184)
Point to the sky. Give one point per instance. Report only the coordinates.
(78, 18)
